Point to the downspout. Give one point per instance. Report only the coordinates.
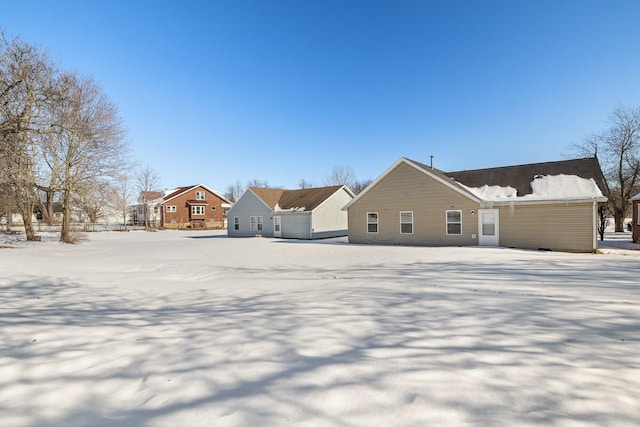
(594, 232)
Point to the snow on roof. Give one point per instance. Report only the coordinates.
(545, 187)
(291, 209)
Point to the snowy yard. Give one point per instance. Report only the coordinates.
(195, 329)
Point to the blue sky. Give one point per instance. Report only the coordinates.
(217, 91)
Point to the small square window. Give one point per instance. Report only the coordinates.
(213, 208)
(199, 195)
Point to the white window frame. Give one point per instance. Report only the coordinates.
(236, 223)
(171, 209)
(213, 208)
(459, 211)
(404, 223)
(376, 223)
(255, 223)
(199, 195)
(197, 210)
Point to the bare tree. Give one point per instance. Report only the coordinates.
(303, 183)
(25, 80)
(123, 193)
(359, 185)
(602, 219)
(234, 191)
(147, 180)
(257, 183)
(88, 146)
(618, 149)
(341, 175)
(95, 202)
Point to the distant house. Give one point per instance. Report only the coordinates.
(147, 211)
(541, 206)
(194, 206)
(310, 213)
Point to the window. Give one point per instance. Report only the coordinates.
(454, 222)
(197, 210)
(199, 195)
(372, 222)
(256, 223)
(406, 222)
(155, 209)
(213, 208)
(171, 209)
(488, 224)
(236, 223)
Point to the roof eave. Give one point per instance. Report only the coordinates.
(599, 199)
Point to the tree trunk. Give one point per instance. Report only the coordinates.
(26, 211)
(618, 216)
(65, 232)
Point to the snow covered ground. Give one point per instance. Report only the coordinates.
(195, 329)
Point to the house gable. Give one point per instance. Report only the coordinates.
(194, 206)
(268, 196)
(433, 173)
(407, 188)
(249, 205)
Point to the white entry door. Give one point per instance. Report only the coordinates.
(489, 227)
(276, 227)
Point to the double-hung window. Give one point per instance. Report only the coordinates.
(454, 222)
(372, 222)
(199, 195)
(197, 210)
(236, 223)
(406, 222)
(256, 223)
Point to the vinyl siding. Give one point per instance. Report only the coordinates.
(407, 189)
(296, 225)
(249, 205)
(329, 220)
(560, 226)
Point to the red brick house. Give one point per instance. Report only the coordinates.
(195, 206)
(635, 218)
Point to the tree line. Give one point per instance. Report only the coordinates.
(339, 175)
(61, 138)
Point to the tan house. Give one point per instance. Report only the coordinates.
(548, 206)
(194, 206)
